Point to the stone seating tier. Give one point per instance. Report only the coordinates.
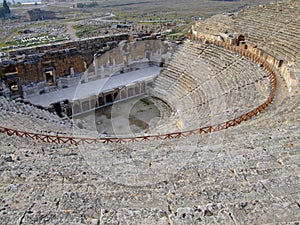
(215, 85)
(278, 38)
(28, 118)
(249, 170)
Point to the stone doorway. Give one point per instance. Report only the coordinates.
(49, 77)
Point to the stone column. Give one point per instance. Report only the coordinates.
(96, 65)
(72, 72)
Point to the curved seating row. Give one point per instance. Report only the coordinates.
(215, 85)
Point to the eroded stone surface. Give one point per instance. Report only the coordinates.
(251, 176)
(248, 174)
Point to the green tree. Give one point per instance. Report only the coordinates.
(6, 7)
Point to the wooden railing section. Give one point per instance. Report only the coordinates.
(209, 129)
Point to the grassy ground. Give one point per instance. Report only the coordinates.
(138, 11)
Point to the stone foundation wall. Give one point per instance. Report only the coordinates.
(31, 64)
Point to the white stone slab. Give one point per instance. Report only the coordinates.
(91, 88)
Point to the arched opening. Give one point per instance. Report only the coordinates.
(137, 90)
(49, 77)
(123, 94)
(93, 103)
(130, 92)
(76, 108)
(85, 106)
(100, 100)
(109, 98)
(116, 96)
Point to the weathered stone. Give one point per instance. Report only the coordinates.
(235, 176)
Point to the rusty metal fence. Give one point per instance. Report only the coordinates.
(209, 129)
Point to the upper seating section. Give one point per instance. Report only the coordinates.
(273, 29)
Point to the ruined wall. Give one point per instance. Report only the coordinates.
(121, 58)
(38, 14)
(31, 70)
(31, 63)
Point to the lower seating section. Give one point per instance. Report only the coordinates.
(28, 118)
(248, 174)
(216, 85)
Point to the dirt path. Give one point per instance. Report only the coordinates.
(71, 31)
